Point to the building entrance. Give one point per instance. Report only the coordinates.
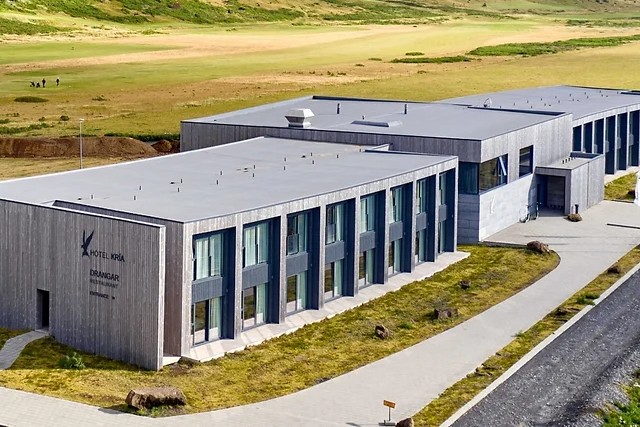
(43, 309)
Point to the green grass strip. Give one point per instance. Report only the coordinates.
(456, 396)
(13, 26)
(541, 48)
(6, 334)
(436, 60)
(625, 414)
(621, 188)
(306, 357)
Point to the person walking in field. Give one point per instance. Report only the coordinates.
(43, 82)
(57, 81)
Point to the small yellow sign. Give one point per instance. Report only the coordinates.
(389, 403)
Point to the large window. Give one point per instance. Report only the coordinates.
(421, 196)
(297, 233)
(468, 178)
(526, 161)
(256, 244)
(395, 256)
(367, 213)
(297, 292)
(335, 223)
(493, 173)
(333, 279)
(206, 320)
(207, 257)
(254, 306)
(421, 245)
(396, 205)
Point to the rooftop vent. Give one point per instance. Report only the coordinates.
(390, 124)
(298, 117)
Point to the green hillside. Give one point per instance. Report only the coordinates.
(46, 16)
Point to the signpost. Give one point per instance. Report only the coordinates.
(391, 405)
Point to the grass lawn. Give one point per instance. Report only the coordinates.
(619, 189)
(6, 334)
(281, 366)
(22, 167)
(464, 390)
(625, 414)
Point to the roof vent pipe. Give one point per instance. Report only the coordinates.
(405, 108)
(338, 109)
(298, 117)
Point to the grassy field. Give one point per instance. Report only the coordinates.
(620, 188)
(281, 366)
(20, 167)
(464, 390)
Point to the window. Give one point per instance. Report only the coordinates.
(493, 173)
(254, 306)
(396, 205)
(335, 223)
(442, 187)
(333, 279)
(256, 244)
(206, 320)
(366, 267)
(395, 253)
(526, 161)
(296, 233)
(207, 259)
(468, 178)
(421, 245)
(421, 196)
(367, 213)
(297, 292)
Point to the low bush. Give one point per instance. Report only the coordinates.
(71, 361)
(30, 99)
(414, 53)
(436, 60)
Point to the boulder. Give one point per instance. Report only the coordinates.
(150, 397)
(574, 217)
(441, 313)
(539, 247)
(465, 284)
(407, 422)
(382, 332)
(614, 269)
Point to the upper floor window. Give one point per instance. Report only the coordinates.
(396, 205)
(526, 161)
(493, 173)
(207, 257)
(335, 223)
(421, 196)
(367, 213)
(297, 233)
(256, 244)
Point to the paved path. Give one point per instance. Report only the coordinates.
(412, 377)
(14, 346)
(569, 380)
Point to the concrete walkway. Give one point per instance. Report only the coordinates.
(14, 346)
(412, 377)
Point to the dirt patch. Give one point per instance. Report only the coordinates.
(70, 147)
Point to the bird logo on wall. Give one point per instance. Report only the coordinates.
(86, 241)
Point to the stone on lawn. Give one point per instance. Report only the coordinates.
(407, 422)
(150, 397)
(445, 312)
(539, 247)
(382, 332)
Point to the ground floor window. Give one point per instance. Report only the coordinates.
(366, 267)
(333, 279)
(297, 292)
(421, 246)
(442, 236)
(206, 320)
(395, 256)
(254, 306)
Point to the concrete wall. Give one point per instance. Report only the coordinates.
(119, 316)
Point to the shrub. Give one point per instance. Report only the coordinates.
(71, 361)
(437, 60)
(375, 59)
(64, 118)
(414, 53)
(30, 99)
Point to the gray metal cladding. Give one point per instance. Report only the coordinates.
(105, 277)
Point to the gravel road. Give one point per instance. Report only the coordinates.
(576, 374)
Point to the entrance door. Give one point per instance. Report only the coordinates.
(43, 309)
(541, 191)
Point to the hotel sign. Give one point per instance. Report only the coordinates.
(107, 279)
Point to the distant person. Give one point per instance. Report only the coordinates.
(33, 84)
(38, 84)
(44, 82)
(57, 81)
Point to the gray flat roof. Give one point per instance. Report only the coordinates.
(579, 101)
(422, 119)
(311, 168)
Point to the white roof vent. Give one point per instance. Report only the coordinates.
(298, 117)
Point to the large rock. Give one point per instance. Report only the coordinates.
(150, 397)
(382, 332)
(574, 217)
(444, 312)
(407, 422)
(539, 247)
